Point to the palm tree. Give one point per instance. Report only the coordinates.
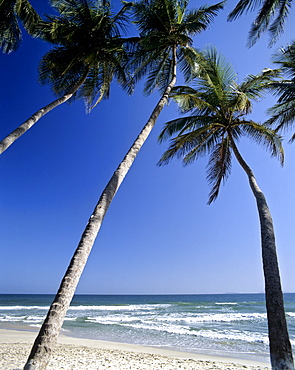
(11, 12)
(218, 106)
(169, 25)
(89, 53)
(271, 17)
(283, 113)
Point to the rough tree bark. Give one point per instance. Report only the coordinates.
(280, 347)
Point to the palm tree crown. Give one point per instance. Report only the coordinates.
(271, 17)
(166, 28)
(88, 42)
(89, 53)
(218, 107)
(11, 12)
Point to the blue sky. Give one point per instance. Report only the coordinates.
(159, 235)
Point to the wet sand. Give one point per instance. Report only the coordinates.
(86, 354)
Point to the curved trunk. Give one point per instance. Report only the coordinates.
(14, 135)
(47, 337)
(280, 347)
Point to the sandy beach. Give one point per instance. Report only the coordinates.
(85, 354)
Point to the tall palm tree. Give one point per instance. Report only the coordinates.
(271, 17)
(168, 25)
(11, 12)
(283, 113)
(88, 54)
(218, 107)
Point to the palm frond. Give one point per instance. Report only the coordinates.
(10, 33)
(204, 139)
(219, 167)
(283, 111)
(191, 145)
(181, 125)
(269, 10)
(97, 83)
(88, 38)
(193, 100)
(243, 6)
(27, 15)
(189, 61)
(159, 75)
(283, 115)
(261, 22)
(265, 136)
(11, 12)
(256, 85)
(285, 57)
(277, 27)
(198, 20)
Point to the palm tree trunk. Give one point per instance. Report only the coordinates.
(280, 347)
(14, 135)
(47, 337)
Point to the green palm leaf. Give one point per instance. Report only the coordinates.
(219, 167)
(88, 37)
(271, 17)
(11, 13)
(283, 111)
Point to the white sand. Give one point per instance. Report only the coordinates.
(85, 354)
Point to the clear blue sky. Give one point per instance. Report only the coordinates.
(159, 235)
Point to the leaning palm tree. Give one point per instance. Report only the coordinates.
(168, 25)
(88, 54)
(271, 17)
(283, 113)
(218, 107)
(11, 13)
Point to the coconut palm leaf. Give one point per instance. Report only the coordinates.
(271, 17)
(87, 37)
(283, 111)
(13, 12)
(219, 167)
(194, 140)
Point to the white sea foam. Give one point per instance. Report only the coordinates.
(111, 319)
(12, 308)
(120, 308)
(7, 318)
(235, 335)
(220, 317)
(34, 319)
(226, 317)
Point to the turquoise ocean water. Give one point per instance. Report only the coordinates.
(233, 325)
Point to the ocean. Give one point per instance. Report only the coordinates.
(232, 325)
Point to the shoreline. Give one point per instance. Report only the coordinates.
(90, 354)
